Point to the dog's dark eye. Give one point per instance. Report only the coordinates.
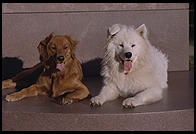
(133, 45)
(65, 47)
(53, 47)
(121, 45)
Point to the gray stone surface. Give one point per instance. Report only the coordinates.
(174, 112)
(69, 7)
(182, 120)
(168, 29)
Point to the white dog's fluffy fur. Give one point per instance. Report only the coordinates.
(143, 77)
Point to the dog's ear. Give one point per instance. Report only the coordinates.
(142, 30)
(73, 45)
(72, 42)
(42, 47)
(113, 30)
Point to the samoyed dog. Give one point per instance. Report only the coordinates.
(132, 68)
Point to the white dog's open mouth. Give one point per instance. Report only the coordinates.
(127, 66)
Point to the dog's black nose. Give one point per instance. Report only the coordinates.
(60, 58)
(128, 55)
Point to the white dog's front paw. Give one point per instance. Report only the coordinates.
(129, 103)
(96, 101)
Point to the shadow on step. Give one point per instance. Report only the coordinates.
(10, 67)
(28, 76)
(92, 68)
(13, 65)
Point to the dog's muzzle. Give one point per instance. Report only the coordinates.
(60, 65)
(128, 55)
(60, 58)
(127, 63)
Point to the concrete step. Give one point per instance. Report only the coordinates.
(25, 25)
(174, 112)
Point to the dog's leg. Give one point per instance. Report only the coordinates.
(147, 96)
(108, 92)
(33, 90)
(80, 92)
(9, 83)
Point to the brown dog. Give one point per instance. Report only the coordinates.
(62, 73)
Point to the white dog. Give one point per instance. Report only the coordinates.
(132, 67)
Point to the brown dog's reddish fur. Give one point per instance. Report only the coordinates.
(51, 81)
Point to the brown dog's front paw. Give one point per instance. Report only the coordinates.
(12, 98)
(8, 84)
(66, 100)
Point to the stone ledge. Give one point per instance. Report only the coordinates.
(73, 7)
(174, 112)
(159, 121)
(168, 30)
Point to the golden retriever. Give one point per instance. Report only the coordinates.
(62, 73)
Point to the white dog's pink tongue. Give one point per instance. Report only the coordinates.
(60, 67)
(127, 66)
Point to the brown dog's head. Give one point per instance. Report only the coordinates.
(61, 48)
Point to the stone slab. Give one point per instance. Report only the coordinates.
(75, 7)
(168, 30)
(174, 112)
(169, 121)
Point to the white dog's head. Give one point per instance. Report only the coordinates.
(128, 43)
